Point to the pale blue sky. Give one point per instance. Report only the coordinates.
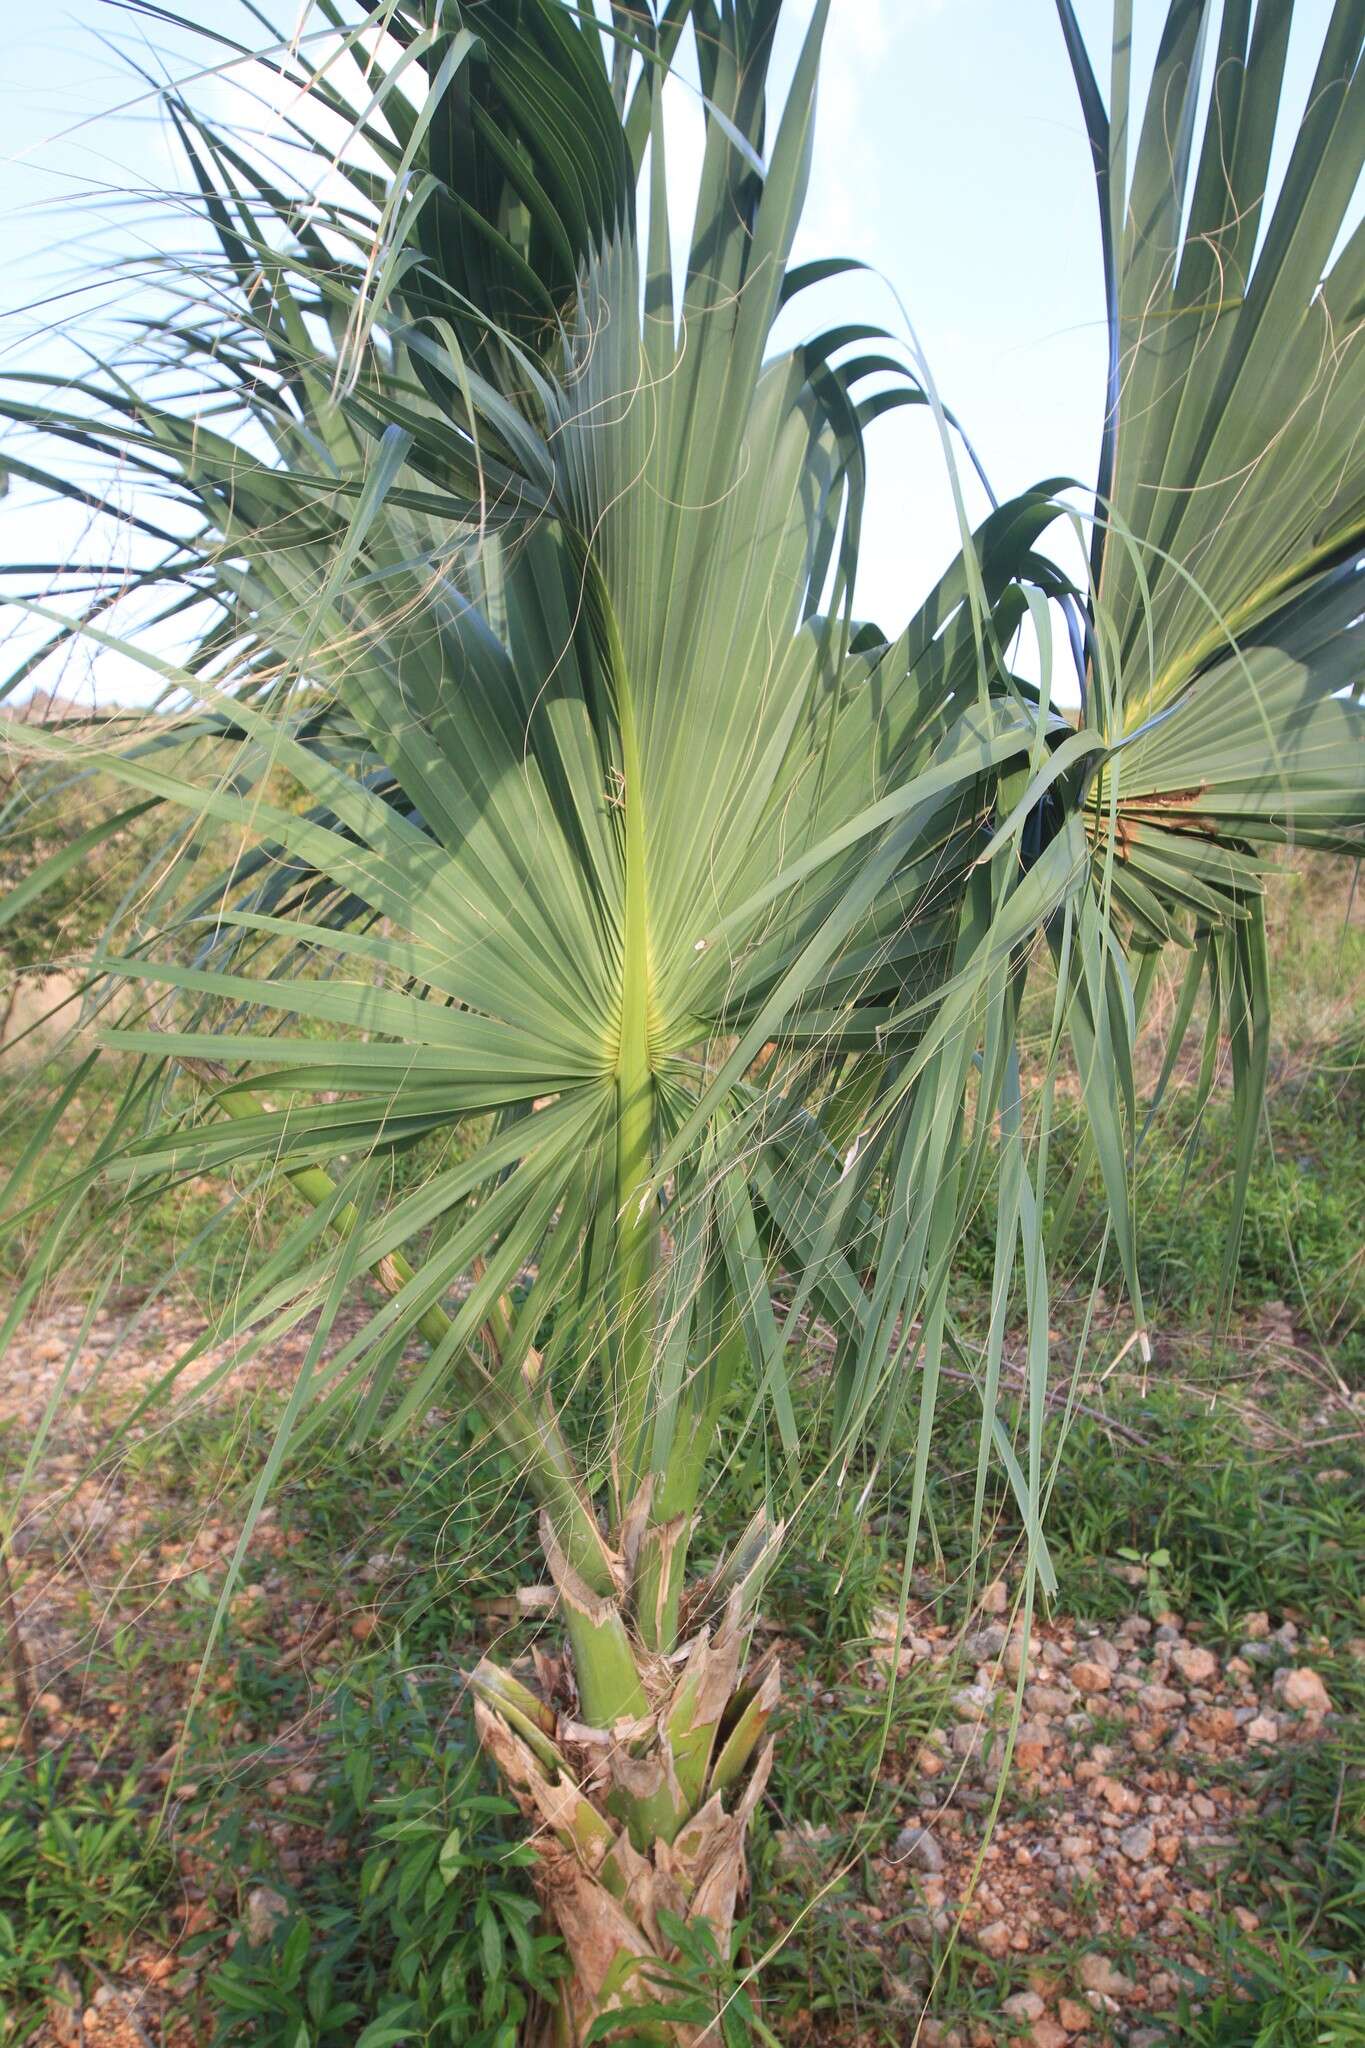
(950, 156)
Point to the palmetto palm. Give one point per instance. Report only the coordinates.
(704, 906)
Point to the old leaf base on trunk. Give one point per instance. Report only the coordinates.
(644, 1821)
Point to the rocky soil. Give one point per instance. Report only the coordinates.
(1117, 1812)
(1070, 1815)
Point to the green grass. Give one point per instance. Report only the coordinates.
(422, 1534)
(384, 1928)
(1287, 1997)
(1294, 1982)
(1301, 1236)
(1240, 1532)
(82, 1875)
(416, 1921)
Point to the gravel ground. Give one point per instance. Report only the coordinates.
(1122, 1803)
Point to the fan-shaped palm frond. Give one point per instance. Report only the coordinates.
(1228, 626)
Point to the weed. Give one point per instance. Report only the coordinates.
(1284, 1994)
(83, 1871)
(416, 1920)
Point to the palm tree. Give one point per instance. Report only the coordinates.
(568, 806)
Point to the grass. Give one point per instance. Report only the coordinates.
(343, 1743)
(420, 1539)
(1295, 1981)
(416, 1920)
(81, 1876)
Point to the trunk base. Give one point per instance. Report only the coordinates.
(639, 1828)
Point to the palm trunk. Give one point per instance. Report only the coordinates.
(639, 1755)
(639, 1822)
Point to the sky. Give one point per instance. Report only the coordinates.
(950, 157)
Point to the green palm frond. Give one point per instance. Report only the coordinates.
(592, 779)
(1227, 627)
